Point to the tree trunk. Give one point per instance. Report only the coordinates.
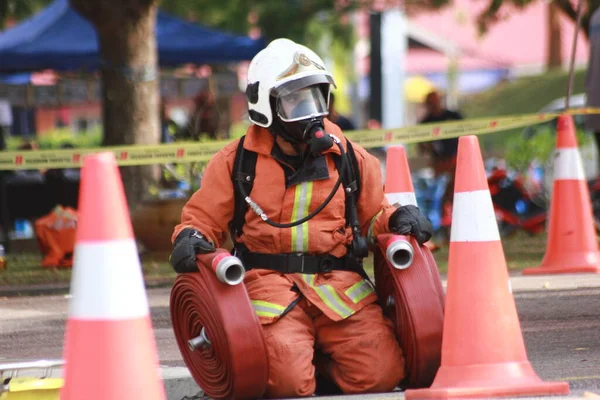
(554, 49)
(127, 43)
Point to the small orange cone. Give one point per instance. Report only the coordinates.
(572, 246)
(398, 183)
(110, 352)
(483, 352)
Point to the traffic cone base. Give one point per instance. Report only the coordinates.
(488, 380)
(483, 351)
(127, 357)
(568, 251)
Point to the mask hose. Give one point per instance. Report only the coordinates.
(258, 211)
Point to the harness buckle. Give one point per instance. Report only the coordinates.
(326, 264)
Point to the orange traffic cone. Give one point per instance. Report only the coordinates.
(572, 245)
(398, 183)
(110, 352)
(483, 352)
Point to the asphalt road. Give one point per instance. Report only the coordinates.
(561, 331)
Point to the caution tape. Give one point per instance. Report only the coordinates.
(198, 152)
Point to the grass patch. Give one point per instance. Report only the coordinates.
(522, 251)
(523, 96)
(25, 269)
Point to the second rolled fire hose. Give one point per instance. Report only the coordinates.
(412, 296)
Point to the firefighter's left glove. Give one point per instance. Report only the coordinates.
(187, 245)
(408, 220)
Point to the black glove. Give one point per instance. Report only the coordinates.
(409, 220)
(188, 243)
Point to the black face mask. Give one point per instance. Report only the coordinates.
(298, 130)
(308, 131)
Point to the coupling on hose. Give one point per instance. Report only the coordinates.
(199, 341)
(228, 269)
(397, 249)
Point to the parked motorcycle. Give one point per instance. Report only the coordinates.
(516, 200)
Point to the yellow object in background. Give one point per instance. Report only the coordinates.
(25, 388)
(416, 88)
(44, 387)
(342, 101)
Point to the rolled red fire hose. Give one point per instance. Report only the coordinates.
(217, 331)
(412, 296)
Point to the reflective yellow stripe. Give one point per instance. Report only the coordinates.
(302, 198)
(359, 291)
(329, 297)
(306, 212)
(370, 233)
(266, 309)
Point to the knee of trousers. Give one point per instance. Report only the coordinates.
(375, 369)
(291, 371)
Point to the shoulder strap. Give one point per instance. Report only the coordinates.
(244, 166)
(351, 178)
(354, 164)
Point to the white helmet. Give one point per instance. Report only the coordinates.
(280, 69)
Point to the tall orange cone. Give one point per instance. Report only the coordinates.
(483, 352)
(572, 246)
(110, 352)
(398, 183)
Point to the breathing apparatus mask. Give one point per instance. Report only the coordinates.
(299, 118)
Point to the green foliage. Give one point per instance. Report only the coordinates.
(524, 95)
(522, 150)
(293, 19)
(58, 137)
(19, 9)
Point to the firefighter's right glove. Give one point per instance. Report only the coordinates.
(187, 245)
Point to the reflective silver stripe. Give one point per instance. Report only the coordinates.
(370, 233)
(267, 309)
(300, 210)
(359, 291)
(329, 296)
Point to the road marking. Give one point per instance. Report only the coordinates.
(579, 378)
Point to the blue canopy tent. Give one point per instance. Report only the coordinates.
(59, 38)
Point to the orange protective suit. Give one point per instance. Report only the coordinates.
(336, 309)
(56, 236)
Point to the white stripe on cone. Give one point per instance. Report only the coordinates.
(404, 198)
(473, 218)
(107, 281)
(568, 165)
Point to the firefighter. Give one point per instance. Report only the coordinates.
(302, 237)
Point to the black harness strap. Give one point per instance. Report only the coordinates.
(244, 171)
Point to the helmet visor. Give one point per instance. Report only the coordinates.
(302, 104)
